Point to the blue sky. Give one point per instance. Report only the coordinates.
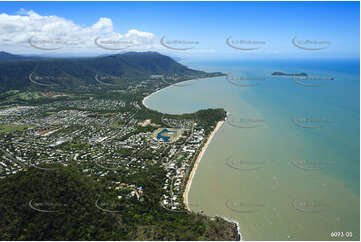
(211, 23)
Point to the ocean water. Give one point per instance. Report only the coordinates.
(286, 163)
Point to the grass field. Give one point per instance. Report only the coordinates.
(13, 96)
(4, 128)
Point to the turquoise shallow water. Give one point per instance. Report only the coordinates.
(279, 180)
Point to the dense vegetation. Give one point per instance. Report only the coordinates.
(71, 198)
(66, 73)
(205, 117)
(61, 204)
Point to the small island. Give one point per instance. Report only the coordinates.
(278, 73)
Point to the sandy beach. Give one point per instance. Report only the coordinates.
(199, 158)
(175, 84)
(189, 182)
(172, 85)
(144, 99)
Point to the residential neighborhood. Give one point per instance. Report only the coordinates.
(97, 136)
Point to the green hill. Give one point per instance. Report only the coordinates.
(61, 205)
(18, 72)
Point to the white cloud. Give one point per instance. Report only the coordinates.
(27, 30)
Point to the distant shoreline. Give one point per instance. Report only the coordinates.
(145, 98)
(174, 84)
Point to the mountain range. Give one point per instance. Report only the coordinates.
(23, 72)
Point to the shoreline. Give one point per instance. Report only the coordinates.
(237, 225)
(199, 158)
(196, 163)
(145, 98)
(174, 84)
(194, 169)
